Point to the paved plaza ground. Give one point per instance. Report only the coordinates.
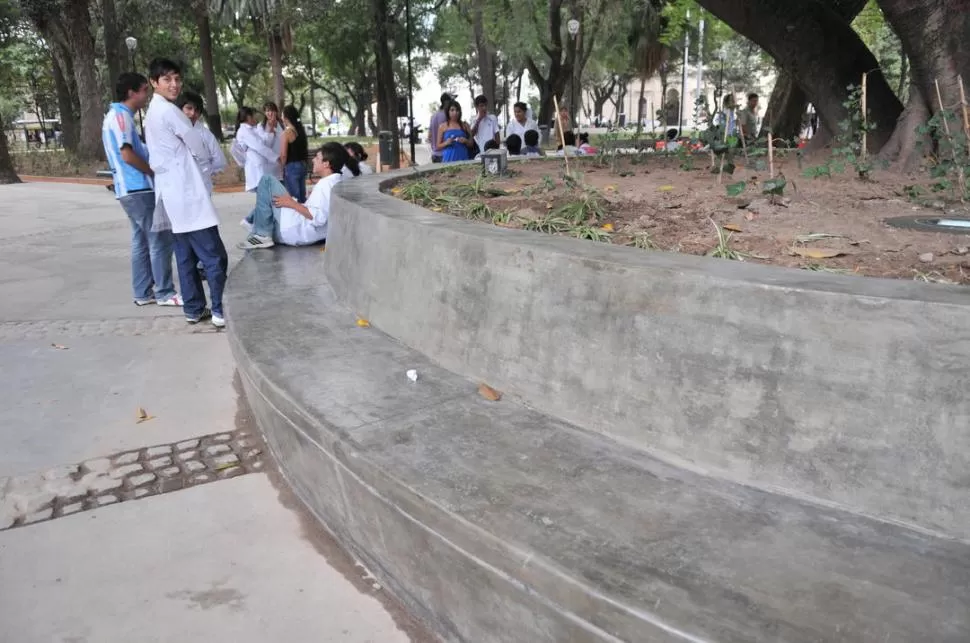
(171, 528)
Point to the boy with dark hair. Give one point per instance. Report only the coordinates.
(748, 118)
(513, 145)
(279, 218)
(532, 144)
(520, 123)
(438, 119)
(180, 161)
(151, 252)
(193, 106)
(485, 128)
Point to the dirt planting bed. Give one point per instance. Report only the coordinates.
(652, 202)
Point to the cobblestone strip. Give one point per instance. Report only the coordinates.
(124, 327)
(128, 475)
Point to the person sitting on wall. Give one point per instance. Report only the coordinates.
(531, 147)
(570, 148)
(280, 218)
(584, 145)
(672, 145)
(489, 145)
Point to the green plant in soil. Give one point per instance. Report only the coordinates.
(642, 241)
(550, 223)
(548, 183)
(502, 217)
(848, 142)
(592, 233)
(421, 192)
(480, 211)
(949, 165)
(775, 187)
(589, 206)
(723, 249)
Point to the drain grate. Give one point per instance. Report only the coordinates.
(129, 475)
(952, 225)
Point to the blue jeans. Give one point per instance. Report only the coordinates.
(265, 217)
(294, 178)
(203, 246)
(151, 252)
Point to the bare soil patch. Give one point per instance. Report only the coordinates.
(827, 224)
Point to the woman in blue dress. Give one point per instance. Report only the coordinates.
(455, 137)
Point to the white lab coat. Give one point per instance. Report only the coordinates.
(259, 157)
(179, 159)
(217, 160)
(275, 141)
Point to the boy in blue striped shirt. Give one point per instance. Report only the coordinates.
(151, 252)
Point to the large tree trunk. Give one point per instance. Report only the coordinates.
(7, 173)
(822, 51)
(486, 52)
(275, 38)
(935, 35)
(112, 42)
(786, 108)
(386, 89)
(66, 100)
(76, 20)
(209, 70)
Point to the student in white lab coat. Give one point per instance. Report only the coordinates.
(280, 218)
(193, 107)
(180, 161)
(250, 148)
(271, 132)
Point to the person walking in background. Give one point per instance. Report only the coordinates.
(271, 133)
(278, 218)
(151, 252)
(179, 160)
(437, 120)
(455, 137)
(293, 154)
(726, 118)
(357, 153)
(486, 126)
(249, 150)
(193, 107)
(748, 119)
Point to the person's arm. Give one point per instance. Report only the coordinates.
(496, 137)
(254, 144)
(217, 159)
(477, 123)
(469, 139)
(289, 136)
(286, 201)
(441, 138)
(182, 127)
(128, 156)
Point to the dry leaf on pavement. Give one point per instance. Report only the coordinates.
(733, 227)
(142, 416)
(488, 392)
(363, 323)
(817, 253)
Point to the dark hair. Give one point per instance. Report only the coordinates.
(128, 82)
(481, 100)
(490, 144)
(584, 137)
(531, 138)
(445, 99)
(672, 133)
(291, 114)
(190, 97)
(522, 106)
(356, 150)
(752, 95)
(335, 154)
(457, 106)
(244, 114)
(513, 144)
(159, 67)
(569, 138)
(270, 106)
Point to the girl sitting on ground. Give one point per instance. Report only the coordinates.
(455, 137)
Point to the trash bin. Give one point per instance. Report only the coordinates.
(385, 146)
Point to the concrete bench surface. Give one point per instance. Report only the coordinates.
(494, 522)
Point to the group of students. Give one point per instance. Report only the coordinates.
(453, 139)
(164, 179)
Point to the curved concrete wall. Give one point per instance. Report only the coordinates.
(847, 390)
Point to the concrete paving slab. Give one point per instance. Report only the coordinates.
(223, 562)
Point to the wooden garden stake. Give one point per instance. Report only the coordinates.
(771, 154)
(961, 179)
(966, 117)
(720, 171)
(744, 146)
(562, 134)
(865, 128)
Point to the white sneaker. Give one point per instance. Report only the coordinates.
(256, 242)
(174, 300)
(247, 225)
(218, 321)
(145, 302)
(205, 314)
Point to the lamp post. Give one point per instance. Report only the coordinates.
(683, 79)
(573, 28)
(721, 55)
(412, 136)
(132, 43)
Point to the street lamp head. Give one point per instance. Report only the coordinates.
(131, 42)
(572, 27)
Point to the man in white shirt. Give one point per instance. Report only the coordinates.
(279, 218)
(193, 107)
(485, 128)
(180, 161)
(520, 123)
